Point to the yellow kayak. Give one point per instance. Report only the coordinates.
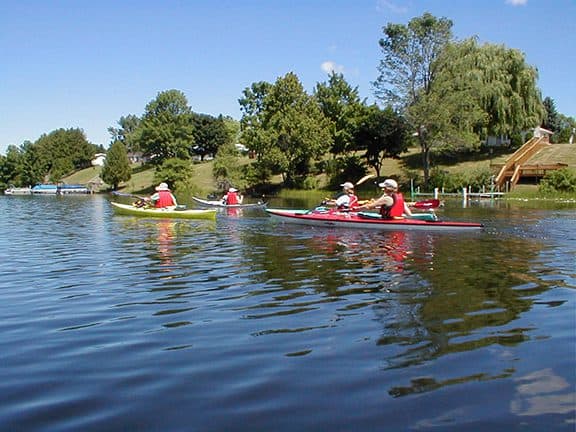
(168, 213)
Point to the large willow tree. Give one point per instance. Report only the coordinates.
(455, 94)
(497, 81)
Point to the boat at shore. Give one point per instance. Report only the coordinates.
(45, 189)
(12, 190)
(219, 203)
(65, 189)
(330, 218)
(167, 213)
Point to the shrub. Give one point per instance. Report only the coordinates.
(562, 180)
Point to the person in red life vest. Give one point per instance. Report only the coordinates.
(163, 197)
(232, 197)
(347, 200)
(391, 203)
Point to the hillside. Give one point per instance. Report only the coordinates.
(142, 181)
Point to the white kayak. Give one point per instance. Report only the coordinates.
(219, 203)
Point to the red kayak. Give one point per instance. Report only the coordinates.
(330, 218)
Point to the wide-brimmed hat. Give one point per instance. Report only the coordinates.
(232, 190)
(347, 185)
(162, 187)
(389, 184)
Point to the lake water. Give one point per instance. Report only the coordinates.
(114, 323)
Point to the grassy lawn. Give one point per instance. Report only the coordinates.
(142, 181)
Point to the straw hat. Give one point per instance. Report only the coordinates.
(389, 184)
(162, 187)
(347, 185)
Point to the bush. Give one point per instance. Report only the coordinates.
(562, 180)
(455, 182)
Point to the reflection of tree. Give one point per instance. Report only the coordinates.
(469, 297)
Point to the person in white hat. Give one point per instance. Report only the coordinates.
(391, 203)
(232, 197)
(163, 197)
(347, 200)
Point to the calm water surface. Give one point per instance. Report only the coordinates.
(114, 323)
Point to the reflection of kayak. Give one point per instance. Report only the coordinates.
(367, 221)
(219, 203)
(128, 209)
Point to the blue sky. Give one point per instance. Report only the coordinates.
(84, 64)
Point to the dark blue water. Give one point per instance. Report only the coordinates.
(114, 323)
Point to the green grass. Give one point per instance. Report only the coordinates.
(142, 180)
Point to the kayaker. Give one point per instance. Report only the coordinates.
(232, 197)
(391, 203)
(163, 197)
(347, 200)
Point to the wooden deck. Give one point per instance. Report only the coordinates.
(534, 159)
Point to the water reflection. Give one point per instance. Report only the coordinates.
(433, 294)
(542, 392)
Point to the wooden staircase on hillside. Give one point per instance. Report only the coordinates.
(516, 166)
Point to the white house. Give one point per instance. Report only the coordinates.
(99, 159)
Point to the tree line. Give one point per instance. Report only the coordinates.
(444, 95)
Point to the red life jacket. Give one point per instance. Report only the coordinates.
(353, 201)
(164, 199)
(396, 210)
(231, 198)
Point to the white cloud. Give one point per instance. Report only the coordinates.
(330, 66)
(517, 2)
(387, 5)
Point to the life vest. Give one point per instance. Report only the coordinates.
(396, 211)
(164, 199)
(232, 198)
(352, 201)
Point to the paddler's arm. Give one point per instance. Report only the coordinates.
(385, 201)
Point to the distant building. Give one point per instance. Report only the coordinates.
(540, 132)
(498, 141)
(99, 159)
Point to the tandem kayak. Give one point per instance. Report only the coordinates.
(219, 203)
(329, 218)
(169, 213)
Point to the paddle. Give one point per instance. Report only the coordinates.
(363, 179)
(425, 204)
(127, 195)
(359, 182)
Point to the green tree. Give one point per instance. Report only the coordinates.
(167, 130)
(285, 127)
(11, 171)
(407, 71)
(177, 173)
(226, 169)
(454, 95)
(383, 134)
(342, 105)
(62, 151)
(116, 168)
(209, 134)
(552, 120)
(567, 129)
(128, 132)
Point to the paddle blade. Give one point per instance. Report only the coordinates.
(426, 204)
(366, 177)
